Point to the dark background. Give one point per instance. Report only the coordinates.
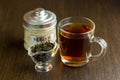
(15, 64)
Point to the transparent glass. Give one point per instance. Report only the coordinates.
(43, 59)
(75, 45)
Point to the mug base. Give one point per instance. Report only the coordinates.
(74, 63)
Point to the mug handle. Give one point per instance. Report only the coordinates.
(103, 46)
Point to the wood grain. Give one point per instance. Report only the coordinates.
(15, 64)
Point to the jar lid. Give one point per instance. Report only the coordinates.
(39, 18)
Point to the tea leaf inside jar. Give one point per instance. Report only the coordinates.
(42, 47)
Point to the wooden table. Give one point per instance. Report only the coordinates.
(15, 64)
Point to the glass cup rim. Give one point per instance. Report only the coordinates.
(88, 19)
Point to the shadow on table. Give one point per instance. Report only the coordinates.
(16, 44)
(72, 73)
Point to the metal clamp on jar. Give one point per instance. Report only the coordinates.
(39, 26)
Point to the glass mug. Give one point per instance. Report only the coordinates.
(75, 36)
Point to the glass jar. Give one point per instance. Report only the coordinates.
(39, 26)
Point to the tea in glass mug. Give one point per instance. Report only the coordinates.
(75, 36)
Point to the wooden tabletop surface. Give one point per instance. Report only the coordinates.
(15, 64)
